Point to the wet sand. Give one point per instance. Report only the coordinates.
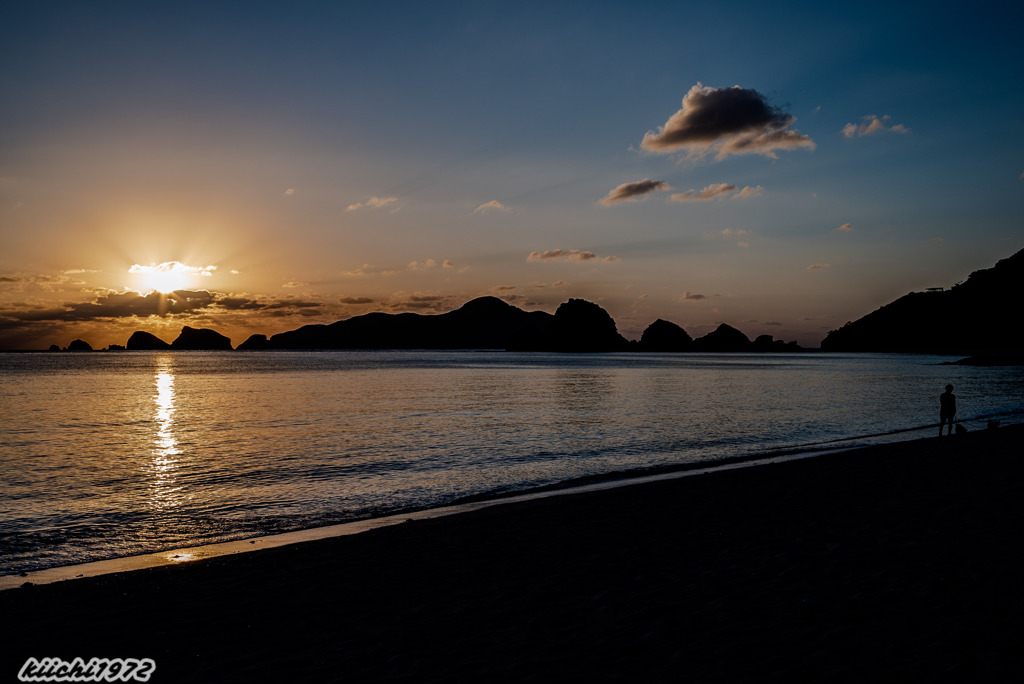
(894, 563)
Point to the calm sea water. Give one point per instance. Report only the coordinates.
(113, 454)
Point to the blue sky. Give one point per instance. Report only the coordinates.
(313, 161)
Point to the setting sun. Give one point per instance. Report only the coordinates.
(168, 276)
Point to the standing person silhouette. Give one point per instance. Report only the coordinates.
(947, 409)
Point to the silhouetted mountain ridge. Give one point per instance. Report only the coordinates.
(978, 315)
(483, 323)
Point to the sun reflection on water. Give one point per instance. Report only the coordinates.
(164, 490)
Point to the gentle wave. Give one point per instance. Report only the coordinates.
(113, 454)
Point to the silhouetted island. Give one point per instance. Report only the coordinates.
(483, 323)
(577, 326)
(255, 342)
(196, 339)
(665, 336)
(976, 316)
(144, 341)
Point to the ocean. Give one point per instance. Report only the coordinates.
(104, 455)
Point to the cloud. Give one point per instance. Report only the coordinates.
(373, 203)
(870, 125)
(291, 191)
(845, 228)
(45, 282)
(294, 284)
(568, 255)
(369, 269)
(429, 263)
(631, 192)
(355, 300)
(748, 191)
(114, 305)
(728, 121)
(817, 267)
(693, 296)
(493, 205)
(708, 193)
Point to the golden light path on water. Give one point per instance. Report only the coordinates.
(165, 493)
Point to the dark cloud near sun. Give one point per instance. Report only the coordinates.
(115, 305)
(727, 121)
(631, 192)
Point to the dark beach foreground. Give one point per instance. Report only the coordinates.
(893, 563)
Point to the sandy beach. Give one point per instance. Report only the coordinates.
(893, 563)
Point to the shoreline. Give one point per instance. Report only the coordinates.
(898, 562)
(189, 554)
(186, 554)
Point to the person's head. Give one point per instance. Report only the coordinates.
(949, 388)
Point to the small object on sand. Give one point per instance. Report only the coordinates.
(23, 574)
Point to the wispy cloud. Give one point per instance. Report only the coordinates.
(429, 263)
(817, 267)
(872, 124)
(374, 203)
(291, 191)
(708, 193)
(368, 270)
(355, 300)
(493, 205)
(845, 228)
(568, 255)
(727, 121)
(717, 191)
(693, 296)
(631, 192)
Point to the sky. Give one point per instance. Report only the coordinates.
(780, 167)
